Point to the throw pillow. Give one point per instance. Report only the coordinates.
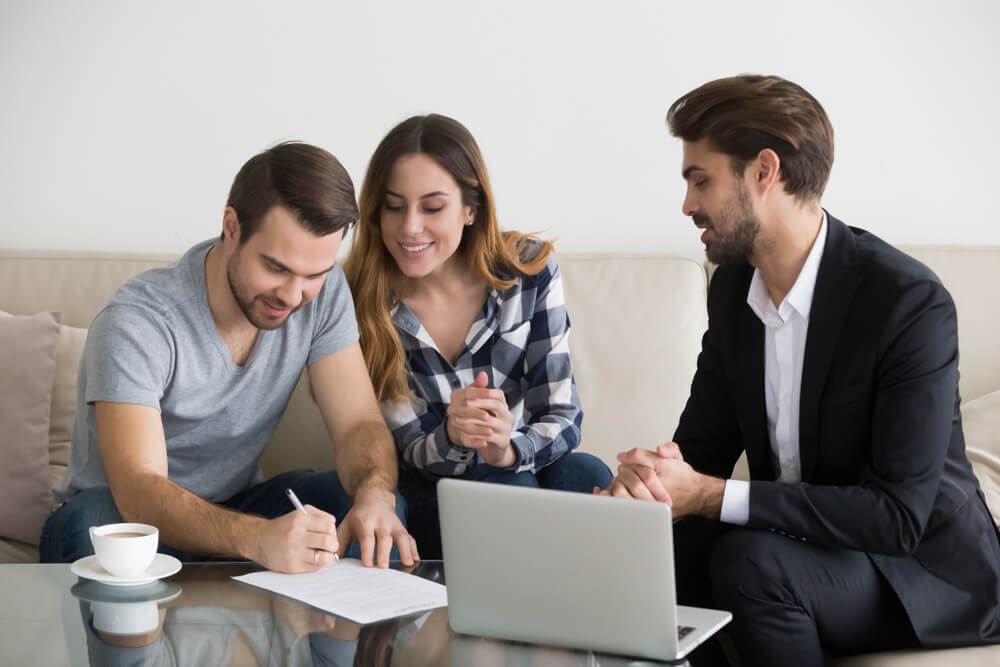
(981, 424)
(69, 350)
(27, 357)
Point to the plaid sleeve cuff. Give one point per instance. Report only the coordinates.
(525, 449)
(455, 460)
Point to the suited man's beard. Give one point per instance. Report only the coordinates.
(735, 244)
(735, 231)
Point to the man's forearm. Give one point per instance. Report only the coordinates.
(366, 459)
(186, 521)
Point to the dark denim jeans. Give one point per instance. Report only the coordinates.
(66, 536)
(576, 471)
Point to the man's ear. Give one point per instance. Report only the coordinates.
(230, 225)
(766, 171)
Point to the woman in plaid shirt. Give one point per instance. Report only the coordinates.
(464, 327)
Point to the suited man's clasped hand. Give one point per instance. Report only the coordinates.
(664, 476)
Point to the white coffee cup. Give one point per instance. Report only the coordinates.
(125, 549)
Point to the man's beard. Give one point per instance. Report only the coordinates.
(246, 301)
(735, 232)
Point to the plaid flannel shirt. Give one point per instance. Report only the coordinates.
(521, 340)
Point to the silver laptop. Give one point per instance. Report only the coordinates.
(566, 569)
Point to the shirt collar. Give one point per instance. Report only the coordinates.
(799, 298)
(406, 321)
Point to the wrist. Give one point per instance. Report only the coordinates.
(449, 430)
(711, 490)
(513, 458)
(374, 490)
(249, 537)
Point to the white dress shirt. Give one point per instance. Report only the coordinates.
(785, 328)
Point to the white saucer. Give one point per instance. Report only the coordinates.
(162, 566)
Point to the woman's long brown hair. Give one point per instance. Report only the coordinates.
(498, 257)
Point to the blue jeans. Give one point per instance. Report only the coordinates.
(576, 471)
(66, 534)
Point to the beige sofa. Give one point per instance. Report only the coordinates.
(637, 326)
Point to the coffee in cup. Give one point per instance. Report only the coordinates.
(125, 549)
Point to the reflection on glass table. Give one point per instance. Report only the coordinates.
(127, 617)
(200, 616)
(199, 620)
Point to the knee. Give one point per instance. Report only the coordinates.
(65, 535)
(525, 478)
(91, 507)
(748, 564)
(487, 473)
(577, 471)
(594, 471)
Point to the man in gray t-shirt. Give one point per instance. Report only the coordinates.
(188, 369)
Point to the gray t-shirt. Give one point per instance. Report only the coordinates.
(155, 343)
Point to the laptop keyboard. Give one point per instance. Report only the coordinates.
(683, 631)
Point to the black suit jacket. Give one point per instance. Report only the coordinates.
(884, 469)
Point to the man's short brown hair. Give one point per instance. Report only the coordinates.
(743, 115)
(305, 179)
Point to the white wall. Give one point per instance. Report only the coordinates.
(122, 123)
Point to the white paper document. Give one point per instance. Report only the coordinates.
(352, 591)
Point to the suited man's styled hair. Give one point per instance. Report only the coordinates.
(743, 115)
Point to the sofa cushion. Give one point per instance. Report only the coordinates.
(27, 357)
(968, 273)
(12, 551)
(972, 656)
(637, 328)
(981, 424)
(69, 349)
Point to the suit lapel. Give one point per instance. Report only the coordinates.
(752, 403)
(748, 345)
(836, 284)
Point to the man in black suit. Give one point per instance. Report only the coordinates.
(831, 359)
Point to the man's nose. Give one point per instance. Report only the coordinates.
(290, 292)
(689, 205)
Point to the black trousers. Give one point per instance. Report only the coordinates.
(792, 602)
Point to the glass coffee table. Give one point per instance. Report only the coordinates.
(200, 616)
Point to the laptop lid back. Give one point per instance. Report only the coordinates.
(554, 567)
